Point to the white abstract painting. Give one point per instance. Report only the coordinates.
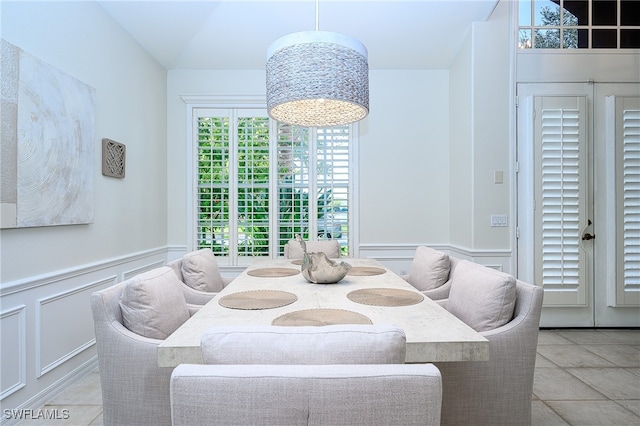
(49, 144)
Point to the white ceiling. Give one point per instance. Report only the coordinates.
(235, 34)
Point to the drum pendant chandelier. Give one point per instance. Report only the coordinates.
(317, 79)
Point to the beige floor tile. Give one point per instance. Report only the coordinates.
(550, 337)
(542, 415)
(615, 383)
(573, 356)
(594, 413)
(555, 384)
(85, 391)
(632, 405)
(620, 355)
(585, 337)
(625, 336)
(542, 362)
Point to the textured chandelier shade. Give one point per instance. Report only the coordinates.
(317, 79)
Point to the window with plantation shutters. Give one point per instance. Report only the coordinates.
(260, 183)
(560, 214)
(313, 162)
(625, 134)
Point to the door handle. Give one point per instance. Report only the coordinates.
(588, 237)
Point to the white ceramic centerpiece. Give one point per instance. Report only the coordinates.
(319, 269)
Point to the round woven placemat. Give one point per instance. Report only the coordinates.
(273, 272)
(258, 299)
(365, 271)
(321, 317)
(297, 261)
(385, 297)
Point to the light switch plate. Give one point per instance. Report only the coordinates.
(499, 220)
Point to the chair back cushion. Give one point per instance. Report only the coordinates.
(429, 269)
(200, 271)
(332, 344)
(406, 394)
(293, 249)
(153, 304)
(482, 297)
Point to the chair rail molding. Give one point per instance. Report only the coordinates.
(398, 257)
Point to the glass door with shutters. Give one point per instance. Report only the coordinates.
(578, 202)
(617, 272)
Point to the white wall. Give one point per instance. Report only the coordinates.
(481, 140)
(461, 147)
(48, 273)
(492, 137)
(404, 151)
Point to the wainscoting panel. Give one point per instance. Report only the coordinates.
(48, 339)
(13, 369)
(59, 334)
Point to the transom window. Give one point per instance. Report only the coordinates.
(259, 183)
(579, 24)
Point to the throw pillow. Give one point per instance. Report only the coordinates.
(330, 247)
(153, 305)
(200, 271)
(331, 344)
(481, 296)
(429, 269)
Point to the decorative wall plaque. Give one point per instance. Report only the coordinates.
(113, 158)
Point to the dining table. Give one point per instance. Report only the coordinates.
(274, 292)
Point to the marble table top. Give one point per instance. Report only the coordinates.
(433, 334)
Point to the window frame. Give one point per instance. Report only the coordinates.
(195, 103)
(532, 27)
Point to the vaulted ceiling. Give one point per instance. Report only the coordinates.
(235, 34)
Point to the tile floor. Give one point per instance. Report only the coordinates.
(582, 378)
(587, 377)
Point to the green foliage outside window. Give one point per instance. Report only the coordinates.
(252, 187)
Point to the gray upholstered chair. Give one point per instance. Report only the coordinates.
(431, 272)
(382, 394)
(134, 389)
(497, 392)
(293, 249)
(199, 275)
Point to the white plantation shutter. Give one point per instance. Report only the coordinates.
(252, 185)
(294, 180)
(333, 179)
(313, 183)
(560, 198)
(625, 132)
(212, 183)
